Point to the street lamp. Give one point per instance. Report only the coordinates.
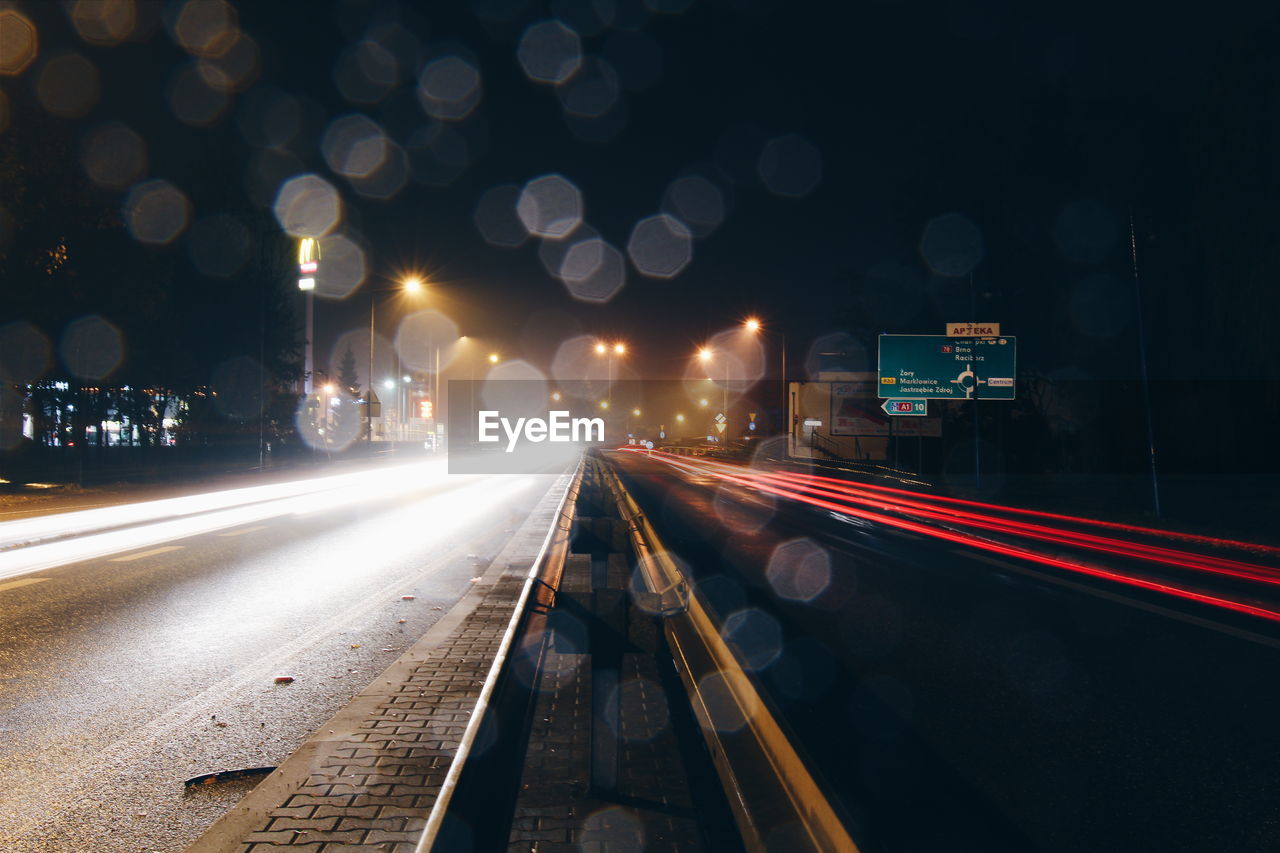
(411, 285)
(494, 358)
(754, 326)
(609, 351)
(705, 355)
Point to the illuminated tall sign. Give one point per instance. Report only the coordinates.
(308, 262)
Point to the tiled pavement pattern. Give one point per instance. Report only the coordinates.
(367, 780)
(556, 810)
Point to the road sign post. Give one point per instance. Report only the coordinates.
(979, 365)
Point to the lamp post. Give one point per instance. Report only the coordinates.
(755, 327)
(706, 355)
(609, 351)
(411, 285)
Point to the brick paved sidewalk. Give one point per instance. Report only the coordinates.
(368, 778)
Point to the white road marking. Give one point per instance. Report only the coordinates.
(138, 556)
(242, 531)
(23, 582)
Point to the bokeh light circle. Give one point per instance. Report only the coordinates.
(549, 52)
(343, 267)
(755, 635)
(205, 27)
(592, 92)
(103, 22)
(593, 271)
(113, 156)
(192, 100)
(354, 146)
(68, 85)
(308, 206)
(19, 42)
(660, 246)
(92, 347)
(952, 245)
(550, 206)
(25, 353)
(799, 570)
(790, 166)
(156, 212)
(421, 335)
(496, 217)
(696, 202)
(449, 88)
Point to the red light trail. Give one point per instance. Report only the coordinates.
(928, 514)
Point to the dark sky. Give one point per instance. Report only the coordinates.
(869, 155)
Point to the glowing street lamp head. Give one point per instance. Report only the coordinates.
(555, 395)
(388, 384)
(704, 354)
(680, 418)
(635, 412)
(601, 349)
(620, 348)
(412, 284)
(703, 402)
(494, 358)
(329, 388)
(604, 404)
(752, 325)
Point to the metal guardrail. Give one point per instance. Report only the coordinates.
(550, 559)
(767, 782)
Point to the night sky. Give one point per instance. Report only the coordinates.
(882, 167)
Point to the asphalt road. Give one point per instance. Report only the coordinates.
(957, 701)
(124, 674)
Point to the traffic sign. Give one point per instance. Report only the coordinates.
(945, 368)
(919, 408)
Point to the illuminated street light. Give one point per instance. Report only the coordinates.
(411, 285)
(754, 326)
(604, 404)
(555, 395)
(494, 358)
(618, 348)
(705, 354)
(635, 412)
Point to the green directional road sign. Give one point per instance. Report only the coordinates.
(942, 368)
(919, 408)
